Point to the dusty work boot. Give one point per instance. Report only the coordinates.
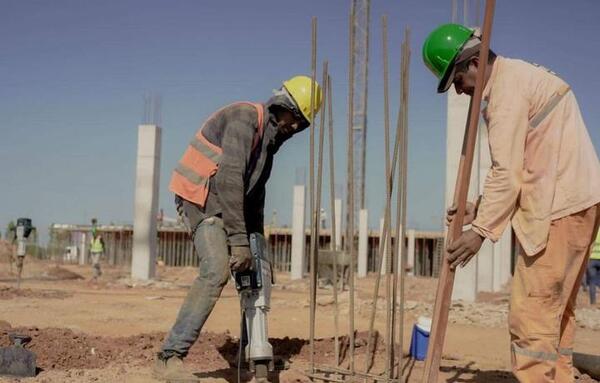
(171, 370)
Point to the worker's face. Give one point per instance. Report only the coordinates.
(287, 122)
(464, 78)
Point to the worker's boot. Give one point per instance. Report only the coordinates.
(172, 370)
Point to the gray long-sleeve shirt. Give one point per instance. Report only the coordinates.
(237, 190)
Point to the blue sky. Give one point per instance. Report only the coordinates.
(73, 75)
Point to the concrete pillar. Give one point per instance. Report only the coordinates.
(143, 263)
(363, 242)
(465, 283)
(338, 223)
(82, 250)
(410, 252)
(298, 235)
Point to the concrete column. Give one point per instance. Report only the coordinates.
(143, 263)
(410, 252)
(338, 223)
(363, 242)
(298, 235)
(82, 250)
(465, 283)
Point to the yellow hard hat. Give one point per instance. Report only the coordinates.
(299, 88)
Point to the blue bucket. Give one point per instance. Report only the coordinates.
(419, 343)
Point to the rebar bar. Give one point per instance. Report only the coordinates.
(313, 271)
(333, 224)
(350, 202)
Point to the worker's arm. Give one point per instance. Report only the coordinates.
(508, 122)
(230, 178)
(255, 211)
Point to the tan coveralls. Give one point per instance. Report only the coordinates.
(545, 179)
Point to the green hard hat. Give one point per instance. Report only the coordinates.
(440, 50)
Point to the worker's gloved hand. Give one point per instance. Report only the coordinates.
(240, 259)
(470, 212)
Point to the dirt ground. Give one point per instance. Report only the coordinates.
(110, 331)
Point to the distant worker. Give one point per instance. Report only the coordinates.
(545, 179)
(593, 270)
(219, 187)
(96, 253)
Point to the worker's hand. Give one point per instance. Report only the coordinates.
(240, 259)
(470, 213)
(464, 248)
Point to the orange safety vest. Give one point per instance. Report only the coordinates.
(191, 177)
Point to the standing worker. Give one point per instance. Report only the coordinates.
(219, 187)
(593, 270)
(545, 179)
(96, 253)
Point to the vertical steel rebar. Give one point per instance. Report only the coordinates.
(333, 246)
(317, 223)
(313, 271)
(401, 191)
(350, 196)
(385, 240)
(386, 233)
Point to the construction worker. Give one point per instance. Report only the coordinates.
(219, 187)
(96, 253)
(593, 270)
(544, 179)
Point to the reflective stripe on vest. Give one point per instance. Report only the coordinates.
(96, 245)
(191, 177)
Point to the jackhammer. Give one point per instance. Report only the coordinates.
(254, 288)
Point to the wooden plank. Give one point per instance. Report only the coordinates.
(446, 281)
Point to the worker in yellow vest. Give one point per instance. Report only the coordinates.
(544, 179)
(96, 253)
(219, 186)
(593, 270)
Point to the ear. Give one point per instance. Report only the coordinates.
(475, 61)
